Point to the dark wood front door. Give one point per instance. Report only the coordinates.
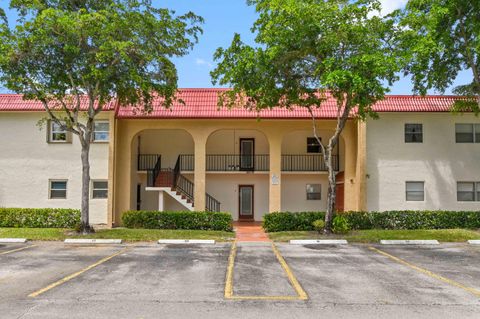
(247, 154)
(245, 202)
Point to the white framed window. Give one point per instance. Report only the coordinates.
(101, 131)
(415, 191)
(56, 134)
(57, 189)
(467, 133)
(99, 189)
(468, 191)
(314, 191)
(413, 133)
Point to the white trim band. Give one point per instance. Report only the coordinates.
(474, 241)
(12, 240)
(318, 242)
(409, 242)
(92, 241)
(186, 241)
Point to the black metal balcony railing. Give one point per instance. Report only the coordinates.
(306, 163)
(235, 162)
(147, 162)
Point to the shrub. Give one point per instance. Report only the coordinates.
(340, 225)
(177, 220)
(39, 217)
(285, 221)
(318, 225)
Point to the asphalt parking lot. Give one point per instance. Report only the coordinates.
(54, 280)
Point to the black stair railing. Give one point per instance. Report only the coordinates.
(211, 204)
(152, 174)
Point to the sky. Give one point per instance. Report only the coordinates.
(222, 19)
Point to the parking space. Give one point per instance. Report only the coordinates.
(152, 281)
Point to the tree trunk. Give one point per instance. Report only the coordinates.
(85, 223)
(331, 194)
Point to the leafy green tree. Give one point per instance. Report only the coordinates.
(307, 50)
(441, 38)
(69, 53)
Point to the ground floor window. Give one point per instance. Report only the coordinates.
(468, 191)
(314, 191)
(100, 189)
(58, 189)
(415, 191)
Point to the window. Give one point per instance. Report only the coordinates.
(58, 189)
(415, 191)
(468, 191)
(314, 192)
(57, 134)
(99, 189)
(313, 146)
(467, 133)
(413, 133)
(101, 131)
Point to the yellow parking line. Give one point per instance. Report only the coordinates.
(74, 275)
(301, 294)
(428, 272)
(18, 249)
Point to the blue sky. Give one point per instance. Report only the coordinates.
(222, 19)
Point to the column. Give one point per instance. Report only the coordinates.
(275, 191)
(161, 201)
(350, 140)
(199, 179)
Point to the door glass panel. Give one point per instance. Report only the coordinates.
(246, 155)
(246, 201)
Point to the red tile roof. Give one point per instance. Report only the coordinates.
(15, 102)
(202, 104)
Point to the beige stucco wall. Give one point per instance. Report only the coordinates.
(28, 162)
(438, 161)
(294, 192)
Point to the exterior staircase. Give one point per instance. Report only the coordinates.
(176, 185)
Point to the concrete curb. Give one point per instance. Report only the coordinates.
(409, 242)
(318, 242)
(474, 241)
(92, 241)
(186, 241)
(12, 240)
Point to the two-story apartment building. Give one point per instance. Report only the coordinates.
(195, 156)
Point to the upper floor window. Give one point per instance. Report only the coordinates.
(413, 133)
(58, 189)
(468, 191)
(415, 191)
(313, 146)
(101, 131)
(56, 134)
(314, 191)
(467, 133)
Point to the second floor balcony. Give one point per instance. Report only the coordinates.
(246, 163)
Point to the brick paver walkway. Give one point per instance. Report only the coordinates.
(250, 232)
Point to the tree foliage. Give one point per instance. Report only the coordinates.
(306, 50)
(440, 39)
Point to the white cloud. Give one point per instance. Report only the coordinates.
(200, 61)
(388, 6)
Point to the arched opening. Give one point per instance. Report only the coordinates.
(304, 173)
(237, 172)
(155, 155)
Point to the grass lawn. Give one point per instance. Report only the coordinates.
(374, 235)
(120, 233)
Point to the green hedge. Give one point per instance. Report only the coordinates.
(177, 220)
(39, 217)
(286, 221)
